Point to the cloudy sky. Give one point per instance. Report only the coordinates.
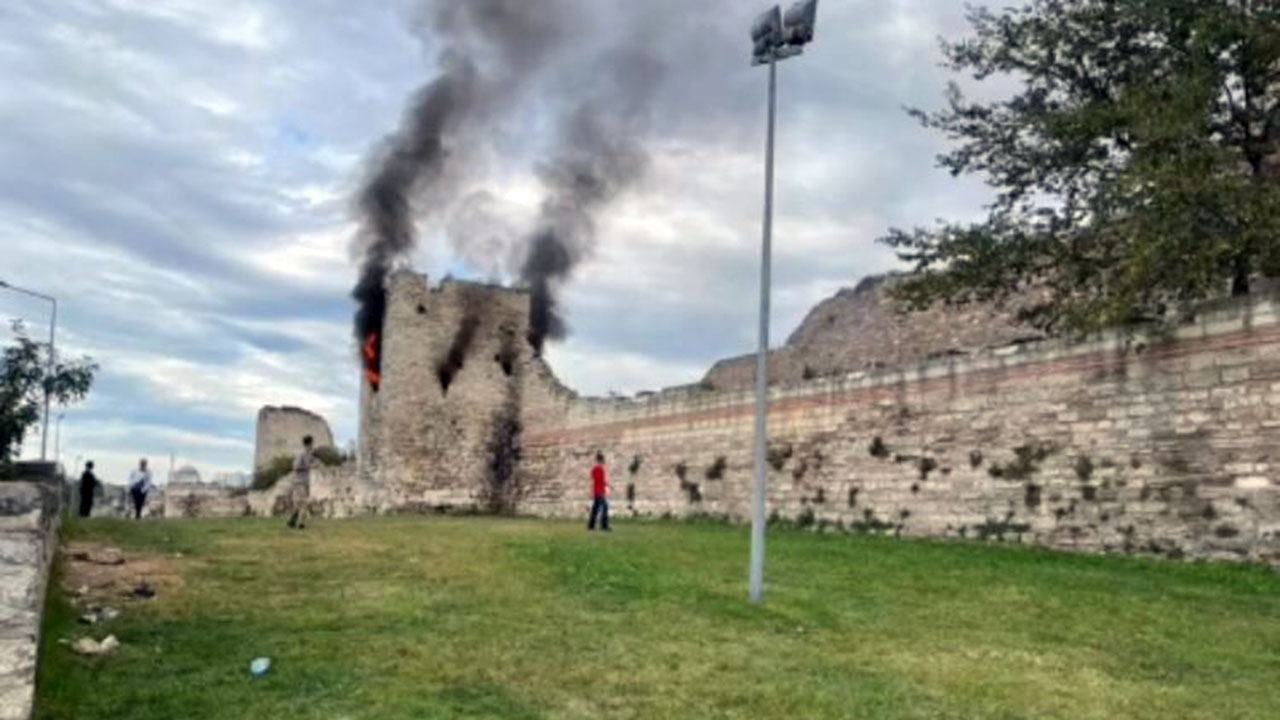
(179, 173)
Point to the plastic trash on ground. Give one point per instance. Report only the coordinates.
(260, 666)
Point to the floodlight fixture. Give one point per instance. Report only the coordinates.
(798, 23)
(775, 36)
(766, 35)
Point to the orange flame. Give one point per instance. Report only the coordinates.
(371, 361)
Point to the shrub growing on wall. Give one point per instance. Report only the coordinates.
(267, 477)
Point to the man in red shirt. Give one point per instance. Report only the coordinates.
(599, 490)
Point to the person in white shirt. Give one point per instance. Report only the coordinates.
(302, 491)
(139, 486)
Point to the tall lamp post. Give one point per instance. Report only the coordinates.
(53, 325)
(775, 37)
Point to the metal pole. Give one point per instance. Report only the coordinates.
(48, 379)
(762, 357)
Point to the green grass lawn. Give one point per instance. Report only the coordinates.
(467, 617)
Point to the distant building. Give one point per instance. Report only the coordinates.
(185, 475)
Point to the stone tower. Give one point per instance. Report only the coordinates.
(443, 428)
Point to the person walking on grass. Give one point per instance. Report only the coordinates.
(88, 486)
(139, 486)
(302, 490)
(599, 494)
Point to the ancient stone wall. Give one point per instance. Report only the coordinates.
(190, 500)
(280, 431)
(29, 519)
(1161, 445)
(335, 491)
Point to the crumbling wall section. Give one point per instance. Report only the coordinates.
(280, 431)
(862, 328)
(192, 500)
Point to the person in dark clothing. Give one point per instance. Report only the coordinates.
(88, 486)
(599, 493)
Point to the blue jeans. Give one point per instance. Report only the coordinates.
(600, 507)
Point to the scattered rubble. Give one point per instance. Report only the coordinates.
(89, 646)
(96, 577)
(99, 556)
(98, 614)
(143, 591)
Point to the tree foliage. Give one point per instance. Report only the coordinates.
(24, 375)
(1135, 169)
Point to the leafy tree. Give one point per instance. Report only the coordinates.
(24, 375)
(1136, 169)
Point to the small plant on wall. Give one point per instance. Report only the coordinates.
(778, 455)
(692, 491)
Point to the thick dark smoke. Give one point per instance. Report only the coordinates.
(494, 54)
(599, 155)
(412, 158)
(491, 49)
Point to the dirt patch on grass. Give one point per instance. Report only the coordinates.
(93, 572)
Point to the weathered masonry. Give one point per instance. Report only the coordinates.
(1165, 445)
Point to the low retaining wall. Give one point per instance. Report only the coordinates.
(29, 521)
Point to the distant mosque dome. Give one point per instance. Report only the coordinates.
(187, 475)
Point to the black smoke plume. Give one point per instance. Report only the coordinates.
(411, 159)
(598, 156)
(494, 52)
(511, 40)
